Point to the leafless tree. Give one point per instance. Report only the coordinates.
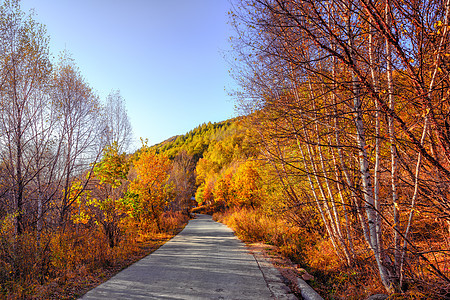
(25, 69)
(79, 128)
(117, 124)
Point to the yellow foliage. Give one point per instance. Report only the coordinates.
(151, 189)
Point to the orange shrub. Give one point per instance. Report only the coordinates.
(171, 221)
(252, 225)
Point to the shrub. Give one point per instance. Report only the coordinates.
(171, 222)
(252, 225)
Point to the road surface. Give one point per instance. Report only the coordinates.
(204, 261)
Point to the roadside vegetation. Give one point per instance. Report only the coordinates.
(244, 189)
(75, 207)
(347, 106)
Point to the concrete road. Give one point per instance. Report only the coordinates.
(204, 261)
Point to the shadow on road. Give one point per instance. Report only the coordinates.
(204, 261)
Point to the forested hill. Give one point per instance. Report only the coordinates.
(197, 141)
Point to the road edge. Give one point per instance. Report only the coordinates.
(273, 278)
(276, 282)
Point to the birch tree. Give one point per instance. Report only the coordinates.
(25, 68)
(117, 124)
(356, 79)
(78, 116)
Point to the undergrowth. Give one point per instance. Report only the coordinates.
(333, 279)
(66, 264)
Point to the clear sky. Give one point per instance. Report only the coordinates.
(165, 57)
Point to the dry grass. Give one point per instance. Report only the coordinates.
(65, 265)
(333, 279)
(254, 226)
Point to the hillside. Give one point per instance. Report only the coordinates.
(197, 141)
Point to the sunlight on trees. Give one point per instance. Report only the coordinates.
(341, 158)
(347, 101)
(64, 175)
(151, 190)
(102, 200)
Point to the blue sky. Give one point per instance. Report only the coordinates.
(165, 57)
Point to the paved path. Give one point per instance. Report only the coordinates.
(204, 261)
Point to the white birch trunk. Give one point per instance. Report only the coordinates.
(364, 166)
(376, 176)
(393, 149)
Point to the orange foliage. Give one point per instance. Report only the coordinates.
(223, 192)
(151, 189)
(64, 265)
(247, 185)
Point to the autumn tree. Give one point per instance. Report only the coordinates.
(101, 201)
(247, 185)
(79, 144)
(52, 133)
(182, 175)
(25, 69)
(223, 191)
(341, 91)
(151, 190)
